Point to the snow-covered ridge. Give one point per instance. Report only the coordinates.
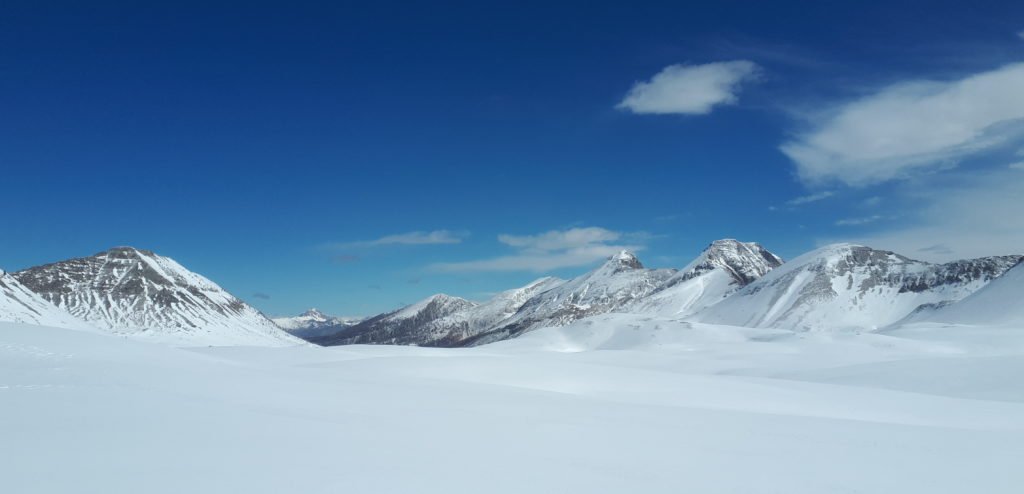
(851, 287)
(744, 262)
(136, 292)
(402, 327)
(1000, 302)
(618, 282)
(313, 323)
(722, 268)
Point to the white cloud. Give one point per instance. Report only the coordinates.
(1020, 34)
(689, 89)
(859, 221)
(810, 198)
(1017, 166)
(560, 239)
(548, 251)
(974, 217)
(411, 238)
(911, 126)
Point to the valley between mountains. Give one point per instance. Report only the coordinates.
(846, 369)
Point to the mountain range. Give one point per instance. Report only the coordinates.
(842, 287)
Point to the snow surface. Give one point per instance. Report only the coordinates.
(609, 404)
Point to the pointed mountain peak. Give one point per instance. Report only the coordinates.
(314, 313)
(744, 261)
(622, 261)
(125, 252)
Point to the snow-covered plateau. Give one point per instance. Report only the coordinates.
(611, 403)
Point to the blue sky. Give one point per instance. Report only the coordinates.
(356, 157)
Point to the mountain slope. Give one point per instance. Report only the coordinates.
(621, 280)
(401, 327)
(457, 327)
(724, 267)
(19, 304)
(314, 324)
(1001, 302)
(136, 292)
(847, 286)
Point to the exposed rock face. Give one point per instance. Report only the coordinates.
(19, 304)
(130, 291)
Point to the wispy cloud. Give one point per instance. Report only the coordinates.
(434, 237)
(1020, 34)
(689, 89)
(972, 216)
(858, 221)
(810, 198)
(1017, 166)
(551, 250)
(910, 127)
(261, 296)
(871, 202)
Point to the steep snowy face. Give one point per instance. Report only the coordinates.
(136, 292)
(313, 324)
(853, 287)
(1000, 302)
(724, 267)
(19, 304)
(618, 282)
(404, 326)
(744, 262)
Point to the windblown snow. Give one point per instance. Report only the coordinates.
(608, 404)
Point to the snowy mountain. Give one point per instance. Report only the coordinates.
(404, 326)
(314, 324)
(136, 292)
(621, 280)
(1001, 302)
(19, 304)
(459, 326)
(723, 268)
(847, 286)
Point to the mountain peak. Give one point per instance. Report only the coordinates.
(744, 261)
(624, 260)
(314, 313)
(130, 291)
(125, 251)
